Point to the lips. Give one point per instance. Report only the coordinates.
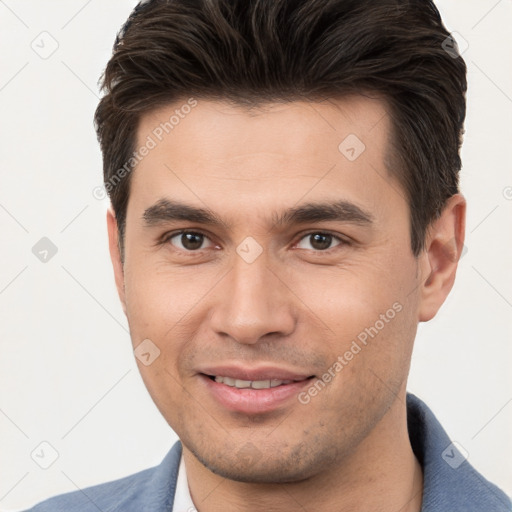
(262, 373)
(253, 391)
(254, 384)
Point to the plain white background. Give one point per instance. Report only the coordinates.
(68, 375)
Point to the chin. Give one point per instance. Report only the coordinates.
(259, 468)
(267, 474)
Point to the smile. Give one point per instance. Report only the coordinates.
(254, 384)
(260, 393)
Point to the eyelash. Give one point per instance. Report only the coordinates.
(342, 241)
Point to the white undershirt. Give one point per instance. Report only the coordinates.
(182, 499)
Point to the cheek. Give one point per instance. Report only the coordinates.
(368, 318)
(159, 308)
(168, 308)
(351, 298)
(158, 299)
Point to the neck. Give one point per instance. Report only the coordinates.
(381, 474)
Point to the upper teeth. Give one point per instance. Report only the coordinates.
(255, 384)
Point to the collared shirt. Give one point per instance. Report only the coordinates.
(450, 483)
(182, 499)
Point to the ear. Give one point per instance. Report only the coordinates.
(443, 248)
(115, 255)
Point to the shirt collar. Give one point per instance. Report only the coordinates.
(182, 499)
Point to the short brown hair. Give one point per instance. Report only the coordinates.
(255, 51)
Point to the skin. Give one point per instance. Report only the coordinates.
(296, 306)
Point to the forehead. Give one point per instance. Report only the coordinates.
(220, 127)
(205, 152)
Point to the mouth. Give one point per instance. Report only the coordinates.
(254, 392)
(253, 384)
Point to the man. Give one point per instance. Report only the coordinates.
(285, 210)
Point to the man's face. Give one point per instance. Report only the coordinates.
(276, 293)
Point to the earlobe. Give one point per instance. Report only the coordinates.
(443, 248)
(115, 255)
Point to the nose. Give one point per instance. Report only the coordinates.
(253, 302)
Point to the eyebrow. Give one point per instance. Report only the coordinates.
(166, 210)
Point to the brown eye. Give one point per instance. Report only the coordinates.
(188, 240)
(318, 241)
